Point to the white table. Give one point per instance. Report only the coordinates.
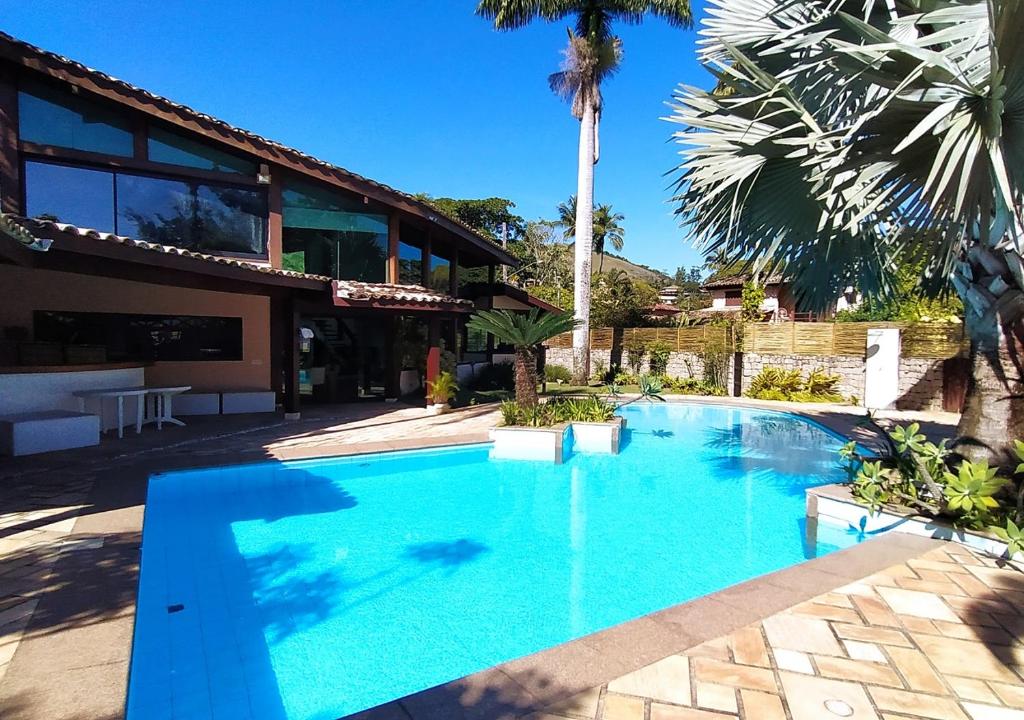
(162, 405)
(139, 393)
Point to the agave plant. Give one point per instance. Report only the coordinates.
(525, 332)
(846, 133)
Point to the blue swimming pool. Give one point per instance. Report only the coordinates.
(311, 590)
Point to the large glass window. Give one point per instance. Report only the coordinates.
(210, 218)
(200, 216)
(145, 337)
(168, 147)
(410, 264)
(440, 270)
(326, 233)
(70, 195)
(49, 116)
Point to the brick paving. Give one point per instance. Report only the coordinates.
(937, 638)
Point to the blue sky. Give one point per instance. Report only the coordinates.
(423, 96)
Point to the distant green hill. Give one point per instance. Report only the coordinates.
(633, 270)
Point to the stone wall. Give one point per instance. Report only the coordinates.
(920, 379)
(680, 364)
(849, 368)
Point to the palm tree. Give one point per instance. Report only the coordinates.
(525, 332)
(592, 55)
(606, 226)
(844, 135)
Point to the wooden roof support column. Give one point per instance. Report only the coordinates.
(10, 166)
(453, 274)
(394, 228)
(427, 251)
(433, 352)
(275, 224)
(291, 361)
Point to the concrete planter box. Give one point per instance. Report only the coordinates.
(835, 505)
(550, 444)
(598, 437)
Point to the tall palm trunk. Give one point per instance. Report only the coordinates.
(993, 413)
(526, 377)
(584, 246)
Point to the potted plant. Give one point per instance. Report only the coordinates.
(441, 390)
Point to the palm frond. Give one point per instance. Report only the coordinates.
(521, 329)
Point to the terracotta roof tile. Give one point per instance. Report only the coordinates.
(414, 294)
(35, 227)
(26, 230)
(740, 280)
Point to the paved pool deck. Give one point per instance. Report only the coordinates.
(70, 532)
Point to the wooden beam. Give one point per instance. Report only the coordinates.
(425, 265)
(278, 308)
(10, 165)
(291, 361)
(393, 370)
(453, 274)
(275, 224)
(394, 231)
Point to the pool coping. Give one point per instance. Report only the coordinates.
(535, 682)
(81, 670)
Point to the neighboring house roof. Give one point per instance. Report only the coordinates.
(664, 309)
(71, 71)
(48, 233)
(738, 281)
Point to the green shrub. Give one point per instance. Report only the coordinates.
(774, 383)
(557, 373)
(589, 408)
(693, 386)
(659, 352)
(636, 349)
(622, 378)
(915, 473)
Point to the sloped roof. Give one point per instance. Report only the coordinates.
(740, 280)
(29, 232)
(405, 294)
(74, 72)
(40, 230)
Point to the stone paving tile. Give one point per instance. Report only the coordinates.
(904, 653)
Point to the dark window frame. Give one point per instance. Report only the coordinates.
(233, 348)
(173, 177)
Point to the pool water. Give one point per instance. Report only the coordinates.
(311, 590)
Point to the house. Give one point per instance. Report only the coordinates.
(779, 304)
(141, 236)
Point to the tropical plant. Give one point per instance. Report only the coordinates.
(589, 408)
(636, 349)
(752, 301)
(606, 227)
(620, 301)
(913, 472)
(659, 352)
(774, 383)
(557, 373)
(525, 332)
(593, 54)
(843, 135)
(442, 388)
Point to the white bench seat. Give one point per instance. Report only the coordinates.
(233, 402)
(35, 432)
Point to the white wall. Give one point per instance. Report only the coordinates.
(32, 392)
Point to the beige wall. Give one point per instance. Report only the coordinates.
(22, 291)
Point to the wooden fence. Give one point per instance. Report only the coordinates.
(920, 340)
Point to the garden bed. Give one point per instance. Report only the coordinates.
(836, 506)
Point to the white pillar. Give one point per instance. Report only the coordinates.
(882, 368)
